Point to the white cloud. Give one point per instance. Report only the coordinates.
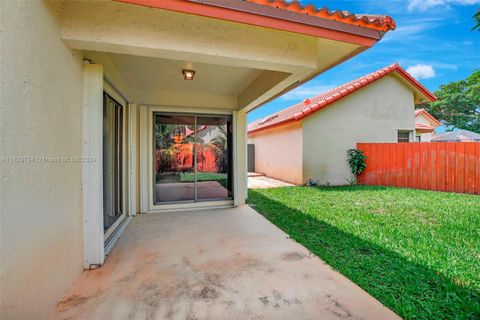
(423, 5)
(304, 92)
(422, 71)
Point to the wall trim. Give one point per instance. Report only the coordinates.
(132, 159)
(146, 158)
(92, 171)
(144, 180)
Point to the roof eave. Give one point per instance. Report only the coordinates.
(273, 126)
(430, 117)
(417, 85)
(270, 17)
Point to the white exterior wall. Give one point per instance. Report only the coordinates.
(40, 202)
(278, 152)
(372, 114)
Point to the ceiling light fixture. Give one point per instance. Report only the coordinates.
(188, 74)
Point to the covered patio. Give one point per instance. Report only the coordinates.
(213, 264)
(142, 95)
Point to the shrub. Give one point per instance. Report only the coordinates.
(356, 160)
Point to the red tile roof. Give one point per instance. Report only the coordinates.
(424, 112)
(423, 127)
(376, 22)
(309, 106)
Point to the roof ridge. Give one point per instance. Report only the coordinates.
(313, 104)
(343, 90)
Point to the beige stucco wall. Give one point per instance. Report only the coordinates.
(40, 202)
(420, 118)
(373, 114)
(425, 136)
(278, 152)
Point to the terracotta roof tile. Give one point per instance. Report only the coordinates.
(376, 22)
(311, 105)
(420, 126)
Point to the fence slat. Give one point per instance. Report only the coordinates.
(442, 166)
(416, 166)
(433, 166)
(470, 168)
(459, 167)
(477, 169)
(424, 166)
(450, 164)
(441, 171)
(402, 166)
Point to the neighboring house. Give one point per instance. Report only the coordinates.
(91, 90)
(425, 125)
(311, 139)
(457, 136)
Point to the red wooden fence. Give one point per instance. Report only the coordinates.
(182, 158)
(440, 166)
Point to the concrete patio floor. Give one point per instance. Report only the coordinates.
(259, 181)
(213, 264)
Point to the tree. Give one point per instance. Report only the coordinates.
(458, 104)
(477, 19)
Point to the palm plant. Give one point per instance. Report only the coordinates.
(165, 144)
(219, 144)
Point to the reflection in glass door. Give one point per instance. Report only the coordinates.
(192, 158)
(213, 158)
(174, 157)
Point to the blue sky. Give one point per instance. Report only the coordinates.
(432, 38)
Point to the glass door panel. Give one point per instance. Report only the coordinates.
(174, 167)
(213, 157)
(112, 161)
(192, 158)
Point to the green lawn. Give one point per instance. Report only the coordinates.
(204, 176)
(418, 252)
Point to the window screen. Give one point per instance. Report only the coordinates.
(403, 136)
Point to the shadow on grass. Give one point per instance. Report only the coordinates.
(411, 290)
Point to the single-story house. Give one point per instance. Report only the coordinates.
(457, 136)
(102, 105)
(310, 139)
(425, 125)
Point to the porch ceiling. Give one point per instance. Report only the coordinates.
(239, 66)
(145, 73)
(150, 80)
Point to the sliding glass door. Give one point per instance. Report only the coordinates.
(192, 158)
(112, 161)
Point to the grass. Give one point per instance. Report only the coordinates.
(418, 252)
(204, 176)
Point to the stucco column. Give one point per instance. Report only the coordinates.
(240, 157)
(92, 151)
(132, 159)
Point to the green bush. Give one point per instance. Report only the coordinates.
(356, 160)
